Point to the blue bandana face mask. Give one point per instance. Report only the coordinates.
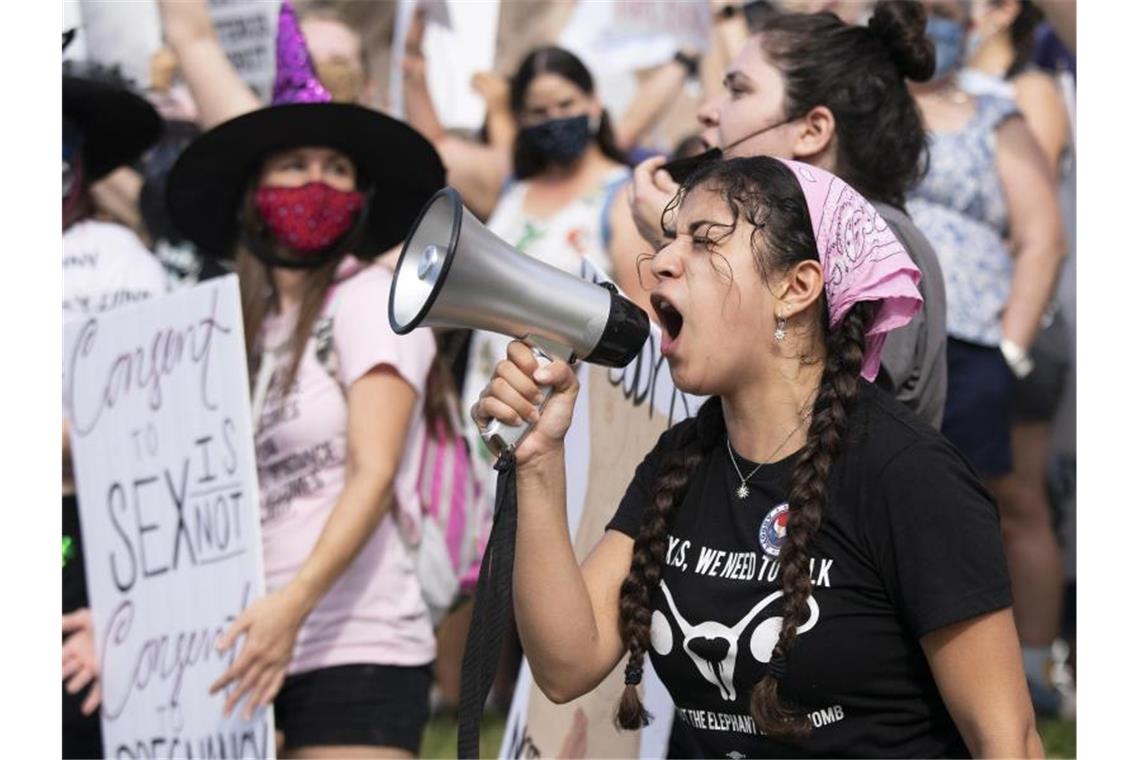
(949, 45)
(560, 141)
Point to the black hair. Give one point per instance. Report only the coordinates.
(859, 73)
(111, 75)
(689, 146)
(764, 192)
(554, 60)
(757, 12)
(1022, 37)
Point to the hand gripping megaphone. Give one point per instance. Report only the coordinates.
(454, 272)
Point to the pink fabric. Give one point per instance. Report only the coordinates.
(862, 259)
(375, 612)
(455, 518)
(450, 465)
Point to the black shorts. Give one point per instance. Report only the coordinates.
(1037, 397)
(355, 705)
(82, 734)
(979, 406)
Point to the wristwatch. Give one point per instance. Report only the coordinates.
(724, 13)
(1020, 362)
(691, 63)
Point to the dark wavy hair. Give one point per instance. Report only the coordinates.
(554, 60)
(764, 193)
(860, 73)
(1022, 38)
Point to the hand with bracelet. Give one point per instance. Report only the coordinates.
(1018, 359)
(690, 59)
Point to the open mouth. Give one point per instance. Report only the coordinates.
(668, 317)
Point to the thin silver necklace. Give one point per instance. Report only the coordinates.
(743, 491)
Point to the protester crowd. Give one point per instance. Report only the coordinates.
(949, 117)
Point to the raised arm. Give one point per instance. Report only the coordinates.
(218, 91)
(496, 93)
(653, 96)
(476, 171)
(567, 615)
(1036, 232)
(627, 248)
(418, 106)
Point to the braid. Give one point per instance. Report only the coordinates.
(649, 556)
(806, 499)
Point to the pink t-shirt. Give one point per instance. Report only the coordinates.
(374, 613)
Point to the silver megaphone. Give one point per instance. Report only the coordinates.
(454, 272)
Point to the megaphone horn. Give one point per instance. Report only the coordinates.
(454, 272)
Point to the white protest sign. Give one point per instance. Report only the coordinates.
(618, 417)
(459, 42)
(247, 30)
(119, 34)
(157, 398)
(73, 22)
(636, 34)
(616, 38)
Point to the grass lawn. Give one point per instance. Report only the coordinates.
(439, 737)
(1060, 737)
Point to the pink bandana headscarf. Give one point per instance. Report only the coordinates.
(862, 259)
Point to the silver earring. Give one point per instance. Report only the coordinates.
(781, 324)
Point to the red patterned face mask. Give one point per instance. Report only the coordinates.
(308, 218)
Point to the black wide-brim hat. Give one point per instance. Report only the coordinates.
(117, 124)
(206, 186)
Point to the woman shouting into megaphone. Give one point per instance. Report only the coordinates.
(809, 567)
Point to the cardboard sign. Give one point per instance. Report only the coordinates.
(619, 415)
(247, 30)
(157, 398)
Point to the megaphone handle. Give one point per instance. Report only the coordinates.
(501, 437)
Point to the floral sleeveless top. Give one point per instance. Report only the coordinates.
(961, 208)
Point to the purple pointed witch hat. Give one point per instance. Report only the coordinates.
(397, 166)
(297, 80)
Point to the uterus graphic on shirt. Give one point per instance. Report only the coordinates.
(713, 646)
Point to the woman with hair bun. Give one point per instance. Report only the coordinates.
(812, 570)
(812, 88)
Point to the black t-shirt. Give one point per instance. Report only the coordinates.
(909, 543)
